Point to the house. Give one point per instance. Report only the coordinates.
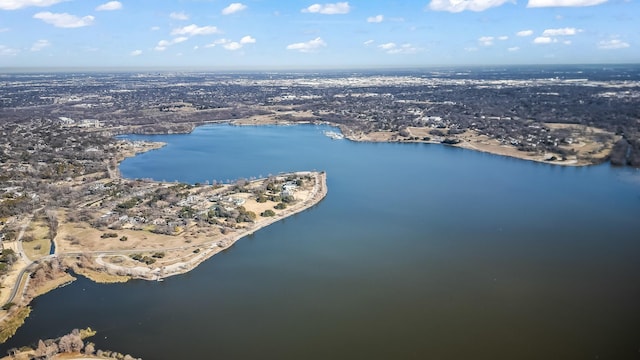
(238, 201)
(289, 188)
(89, 123)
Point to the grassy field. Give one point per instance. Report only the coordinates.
(40, 246)
(16, 320)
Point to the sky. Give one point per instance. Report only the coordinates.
(287, 34)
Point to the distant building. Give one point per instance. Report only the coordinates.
(66, 121)
(289, 188)
(90, 123)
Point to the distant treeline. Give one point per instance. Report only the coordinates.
(626, 152)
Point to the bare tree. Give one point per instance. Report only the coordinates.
(46, 349)
(52, 219)
(71, 342)
(89, 349)
(41, 350)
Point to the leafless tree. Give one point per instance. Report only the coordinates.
(89, 349)
(71, 342)
(46, 349)
(52, 219)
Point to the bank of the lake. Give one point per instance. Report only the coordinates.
(418, 251)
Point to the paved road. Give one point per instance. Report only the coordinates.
(21, 254)
(16, 287)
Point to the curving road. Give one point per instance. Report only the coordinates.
(22, 255)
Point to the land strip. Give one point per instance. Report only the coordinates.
(59, 154)
(116, 229)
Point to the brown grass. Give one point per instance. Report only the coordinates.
(41, 246)
(11, 324)
(51, 285)
(100, 276)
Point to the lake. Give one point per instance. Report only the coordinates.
(419, 251)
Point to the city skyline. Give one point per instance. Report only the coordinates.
(257, 34)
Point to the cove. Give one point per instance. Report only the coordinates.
(419, 251)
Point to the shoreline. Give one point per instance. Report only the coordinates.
(185, 258)
(115, 273)
(394, 137)
(106, 272)
(480, 143)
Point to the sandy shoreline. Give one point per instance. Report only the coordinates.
(119, 273)
(98, 260)
(588, 152)
(96, 264)
(110, 265)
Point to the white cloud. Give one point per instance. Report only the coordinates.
(247, 40)
(64, 20)
(7, 51)
(393, 48)
(164, 44)
(544, 40)
(388, 46)
(368, 42)
(136, 53)
(179, 16)
(193, 29)
(455, 6)
(375, 19)
(309, 46)
(155, 28)
(503, 38)
(512, 49)
(561, 32)
(404, 49)
(232, 46)
(563, 3)
(233, 8)
(549, 36)
(486, 40)
(40, 44)
(524, 33)
(218, 42)
(19, 4)
(613, 44)
(110, 6)
(329, 9)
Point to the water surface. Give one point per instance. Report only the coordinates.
(418, 251)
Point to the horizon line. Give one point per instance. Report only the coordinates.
(37, 69)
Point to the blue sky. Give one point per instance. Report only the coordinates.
(282, 34)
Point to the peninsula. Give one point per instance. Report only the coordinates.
(64, 205)
(111, 229)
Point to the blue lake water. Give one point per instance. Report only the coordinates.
(418, 251)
